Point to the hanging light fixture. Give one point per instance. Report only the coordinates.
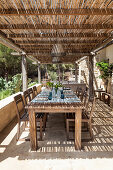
(57, 52)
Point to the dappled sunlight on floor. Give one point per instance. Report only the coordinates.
(55, 145)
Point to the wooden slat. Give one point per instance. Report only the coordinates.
(43, 53)
(29, 42)
(57, 11)
(67, 59)
(49, 51)
(53, 35)
(53, 26)
(50, 46)
(68, 49)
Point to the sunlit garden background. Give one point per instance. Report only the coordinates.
(10, 72)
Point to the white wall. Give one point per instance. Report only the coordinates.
(109, 53)
(101, 55)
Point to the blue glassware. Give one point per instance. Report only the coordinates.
(50, 96)
(61, 91)
(50, 93)
(62, 96)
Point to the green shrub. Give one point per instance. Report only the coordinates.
(31, 84)
(106, 69)
(5, 93)
(53, 75)
(14, 86)
(2, 83)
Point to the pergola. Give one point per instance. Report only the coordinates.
(32, 27)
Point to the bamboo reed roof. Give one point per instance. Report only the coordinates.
(35, 25)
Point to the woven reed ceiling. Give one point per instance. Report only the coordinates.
(35, 25)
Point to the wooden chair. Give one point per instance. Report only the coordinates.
(34, 91)
(86, 117)
(83, 97)
(27, 97)
(79, 92)
(22, 114)
(30, 91)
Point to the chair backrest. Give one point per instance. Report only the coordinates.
(30, 92)
(77, 91)
(19, 105)
(34, 91)
(85, 98)
(90, 107)
(80, 94)
(27, 97)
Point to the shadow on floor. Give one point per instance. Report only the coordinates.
(55, 144)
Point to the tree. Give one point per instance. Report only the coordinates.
(10, 65)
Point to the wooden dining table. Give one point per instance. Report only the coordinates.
(41, 104)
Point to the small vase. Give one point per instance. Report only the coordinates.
(56, 90)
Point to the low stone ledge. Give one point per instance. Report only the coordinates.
(8, 109)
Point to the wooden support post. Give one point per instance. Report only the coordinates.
(39, 73)
(79, 76)
(91, 75)
(24, 73)
(46, 74)
(76, 71)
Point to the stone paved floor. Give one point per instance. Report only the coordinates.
(55, 152)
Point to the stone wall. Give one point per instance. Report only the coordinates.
(83, 73)
(8, 109)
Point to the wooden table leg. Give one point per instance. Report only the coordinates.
(78, 116)
(99, 95)
(33, 130)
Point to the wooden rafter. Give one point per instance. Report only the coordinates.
(87, 48)
(36, 54)
(34, 28)
(55, 26)
(60, 35)
(83, 42)
(50, 46)
(5, 41)
(57, 11)
(49, 51)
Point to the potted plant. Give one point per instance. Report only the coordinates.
(50, 84)
(57, 86)
(106, 73)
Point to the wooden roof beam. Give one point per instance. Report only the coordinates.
(60, 35)
(57, 11)
(5, 41)
(32, 42)
(57, 26)
(67, 55)
(49, 52)
(104, 44)
(10, 44)
(50, 46)
(66, 49)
